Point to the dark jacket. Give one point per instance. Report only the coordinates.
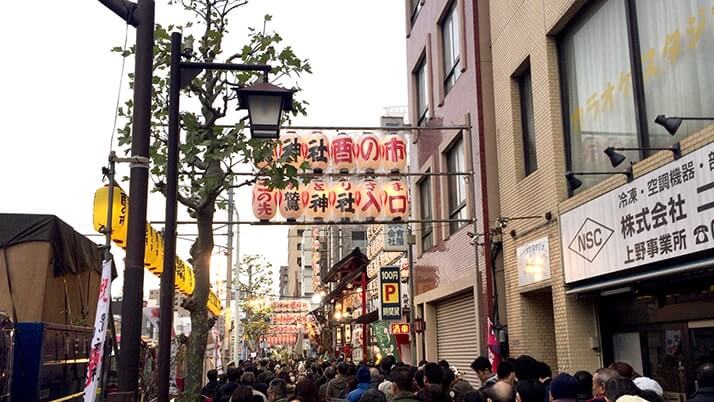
(405, 397)
(703, 394)
(210, 388)
(489, 383)
(224, 392)
(337, 388)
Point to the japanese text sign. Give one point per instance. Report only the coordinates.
(390, 294)
(399, 328)
(395, 237)
(666, 213)
(533, 262)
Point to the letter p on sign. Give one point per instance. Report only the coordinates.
(389, 293)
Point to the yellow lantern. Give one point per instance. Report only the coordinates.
(151, 249)
(292, 201)
(180, 276)
(343, 201)
(369, 205)
(214, 304)
(265, 203)
(394, 153)
(270, 158)
(318, 151)
(343, 153)
(317, 207)
(292, 149)
(369, 153)
(120, 213)
(190, 280)
(395, 200)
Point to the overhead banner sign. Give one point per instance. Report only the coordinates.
(664, 214)
(390, 307)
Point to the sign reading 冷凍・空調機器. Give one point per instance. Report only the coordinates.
(663, 214)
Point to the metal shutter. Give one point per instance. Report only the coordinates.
(457, 334)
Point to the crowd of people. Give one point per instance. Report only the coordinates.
(523, 379)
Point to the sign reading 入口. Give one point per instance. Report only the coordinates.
(390, 307)
(664, 214)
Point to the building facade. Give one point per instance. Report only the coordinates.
(615, 265)
(449, 72)
(295, 260)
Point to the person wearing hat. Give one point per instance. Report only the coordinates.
(648, 384)
(564, 388)
(363, 380)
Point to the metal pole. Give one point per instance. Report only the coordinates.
(166, 304)
(365, 349)
(236, 281)
(229, 263)
(412, 306)
(138, 191)
(109, 343)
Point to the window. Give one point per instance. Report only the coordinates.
(359, 236)
(415, 8)
(300, 232)
(299, 246)
(673, 48)
(450, 45)
(422, 104)
(676, 41)
(427, 235)
(456, 185)
(525, 90)
(299, 261)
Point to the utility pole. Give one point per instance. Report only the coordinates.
(237, 327)
(229, 264)
(411, 240)
(141, 16)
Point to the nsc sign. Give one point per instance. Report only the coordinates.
(390, 307)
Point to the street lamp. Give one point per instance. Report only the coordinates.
(265, 103)
(316, 298)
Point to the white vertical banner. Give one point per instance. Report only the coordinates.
(101, 319)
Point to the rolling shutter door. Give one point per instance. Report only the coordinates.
(457, 334)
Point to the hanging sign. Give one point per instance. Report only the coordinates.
(533, 261)
(292, 149)
(120, 213)
(395, 200)
(265, 204)
(101, 319)
(343, 200)
(369, 153)
(343, 153)
(368, 200)
(390, 294)
(399, 328)
(394, 149)
(318, 151)
(292, 201)
(395, 237)
(664, 214)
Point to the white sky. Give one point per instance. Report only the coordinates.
(60, 86)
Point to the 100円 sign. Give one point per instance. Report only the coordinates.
(664, 214)
(390, 307)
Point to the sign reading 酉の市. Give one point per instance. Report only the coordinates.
(390, 307)
(666, 213)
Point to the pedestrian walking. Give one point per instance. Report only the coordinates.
(482, 367)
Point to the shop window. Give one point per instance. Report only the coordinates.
(456, 185)
(676, 41)
(450, 44)
(427, 232)
(421, 95)
(525, 93)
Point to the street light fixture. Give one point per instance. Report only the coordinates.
(617, 158)
(574, 183)
(265, 103)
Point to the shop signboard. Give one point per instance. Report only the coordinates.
(661, 215)
(385, 341)
(390, 307)
(533, 261)
(395, 237)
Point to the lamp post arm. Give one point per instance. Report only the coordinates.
(124, 9)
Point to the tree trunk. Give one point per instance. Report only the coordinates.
(201, 254)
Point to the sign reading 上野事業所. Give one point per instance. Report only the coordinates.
(390, 307)
(533, 261)
(395, 237)
(663, 214)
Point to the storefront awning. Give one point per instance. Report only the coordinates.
(642, 276)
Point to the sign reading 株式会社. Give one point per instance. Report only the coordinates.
(666, 213)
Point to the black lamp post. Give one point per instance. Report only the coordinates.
(265, 109)
(617, 158)
(672, 123)
(574, 183)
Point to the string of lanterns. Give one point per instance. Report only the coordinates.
(343, 199)
(185, 278)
